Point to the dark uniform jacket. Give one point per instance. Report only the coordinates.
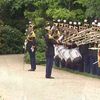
(49, 45)
(31, 43)
(84, 49)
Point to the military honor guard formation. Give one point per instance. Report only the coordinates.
(74, 45)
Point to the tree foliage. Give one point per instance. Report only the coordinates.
(11, 40)
(50, 9)
(92, 7)
(16, 13)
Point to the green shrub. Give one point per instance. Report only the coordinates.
(39, 22)
(40, 32)
(40, 57)
(1, 22)
(11, 40)
(20, 24)
(40, 45)
(26, 57)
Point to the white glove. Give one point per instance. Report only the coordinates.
(32, 49)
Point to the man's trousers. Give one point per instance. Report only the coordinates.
(49, 65)
(32, 60)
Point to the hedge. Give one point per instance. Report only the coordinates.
(11, 40)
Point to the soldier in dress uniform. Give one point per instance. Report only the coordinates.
(56, 35)
(31, 47)
(50, 41)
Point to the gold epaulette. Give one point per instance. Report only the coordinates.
(33, 34)
(29, 38)
(50, 37)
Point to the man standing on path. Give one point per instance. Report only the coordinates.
(31, 47)
(50, 41)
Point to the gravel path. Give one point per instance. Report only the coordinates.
(16, 83)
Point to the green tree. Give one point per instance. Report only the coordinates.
(92, 7)
(11, 40)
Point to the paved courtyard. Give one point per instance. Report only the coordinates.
(16, 83)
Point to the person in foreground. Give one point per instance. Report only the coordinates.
(50, 41)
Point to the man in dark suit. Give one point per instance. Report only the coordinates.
(31, 47)
(50, 41)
